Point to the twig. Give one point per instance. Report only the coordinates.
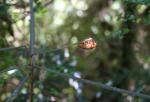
(17, 90)
(35, 9)
(63, 47)
(12, 68)
(32, 40)
(99, 84)
(11, 48)
(48, 3)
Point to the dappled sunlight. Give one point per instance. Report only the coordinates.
(77, 85)
(74, 50)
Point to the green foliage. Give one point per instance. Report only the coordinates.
(120, 59)
(120, 33)
(3, 8)
(145, 2)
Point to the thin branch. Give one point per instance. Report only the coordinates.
(48, 3)
(12, 68)
(99, 84)
(36, 50)
(63, 47)
(35, 9)
(32, 26)
(11, 48)
(7, 69)
(32, 40)
(17, 90)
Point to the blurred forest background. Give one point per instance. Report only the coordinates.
(121, 29)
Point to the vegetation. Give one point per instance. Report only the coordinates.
(121, 58)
